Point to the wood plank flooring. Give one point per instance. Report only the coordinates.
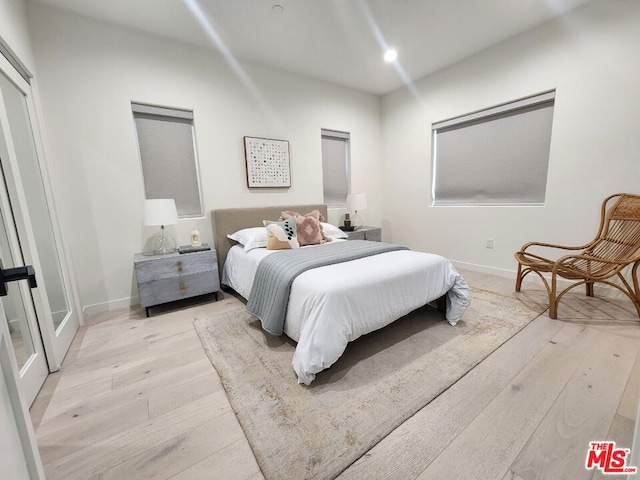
(137, 398)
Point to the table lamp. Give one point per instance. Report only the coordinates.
(161, 211)
(355, 202)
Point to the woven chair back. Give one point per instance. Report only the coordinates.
(620, 231)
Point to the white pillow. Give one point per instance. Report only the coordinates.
(250, 238)
(333, 231)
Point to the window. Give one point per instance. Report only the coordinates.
(496, 156)
(335, 167)
(168, 156)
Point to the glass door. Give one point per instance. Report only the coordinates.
(28, 206)
(17, 306)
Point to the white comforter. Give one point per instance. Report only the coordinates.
(333, 305)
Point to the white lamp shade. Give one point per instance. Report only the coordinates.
(160, 211)
(357, 201)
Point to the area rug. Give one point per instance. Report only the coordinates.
(382, 379)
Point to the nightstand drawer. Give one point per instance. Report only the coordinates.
(373, 234)
(175, 265)
(166, 290)
(174, 276)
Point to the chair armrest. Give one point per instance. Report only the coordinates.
(624, 261)
(534, 256)
(552, 245)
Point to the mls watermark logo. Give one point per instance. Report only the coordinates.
(609, 459)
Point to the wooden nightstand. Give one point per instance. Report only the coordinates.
(174, 276)
(366, 233)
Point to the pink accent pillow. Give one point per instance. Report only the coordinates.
(309, 228)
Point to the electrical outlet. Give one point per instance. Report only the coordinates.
(489, 242)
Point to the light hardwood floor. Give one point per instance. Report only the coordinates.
(137, 398)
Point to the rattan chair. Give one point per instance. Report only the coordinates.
(616, 246)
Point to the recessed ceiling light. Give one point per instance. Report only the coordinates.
(277, 9)
(390, 55)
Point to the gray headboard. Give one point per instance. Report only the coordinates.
(229, 220)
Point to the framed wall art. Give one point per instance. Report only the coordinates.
(267, 162)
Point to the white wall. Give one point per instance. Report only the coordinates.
(14, 31)
(591, 58)
(90, 71)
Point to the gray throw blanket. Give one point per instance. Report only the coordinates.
(276, 272)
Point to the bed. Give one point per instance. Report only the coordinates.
(332, 305)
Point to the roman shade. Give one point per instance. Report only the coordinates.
(167, 154)
(496, 156)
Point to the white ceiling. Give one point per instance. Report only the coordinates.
(340, 41)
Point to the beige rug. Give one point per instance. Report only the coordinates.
(383, 378)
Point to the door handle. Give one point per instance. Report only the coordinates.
(17, 273)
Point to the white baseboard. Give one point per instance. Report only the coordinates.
(484, 269)
(135, 301)
(109, 306)
(14, 324)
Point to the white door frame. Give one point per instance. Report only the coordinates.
(56, 340)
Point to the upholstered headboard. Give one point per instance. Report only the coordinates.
(230, 220)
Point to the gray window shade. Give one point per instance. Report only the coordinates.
(167, 153)
(498, 156)
(335, 167)
(161, 111)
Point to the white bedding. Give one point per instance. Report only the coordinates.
(333, 305)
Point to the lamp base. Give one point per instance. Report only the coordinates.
(163, 243)
(357, 221)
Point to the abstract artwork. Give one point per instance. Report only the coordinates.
(267, 162)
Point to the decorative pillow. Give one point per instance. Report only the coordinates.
(250, 238)
(332, 231)
(282, 235)
(309, 228)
